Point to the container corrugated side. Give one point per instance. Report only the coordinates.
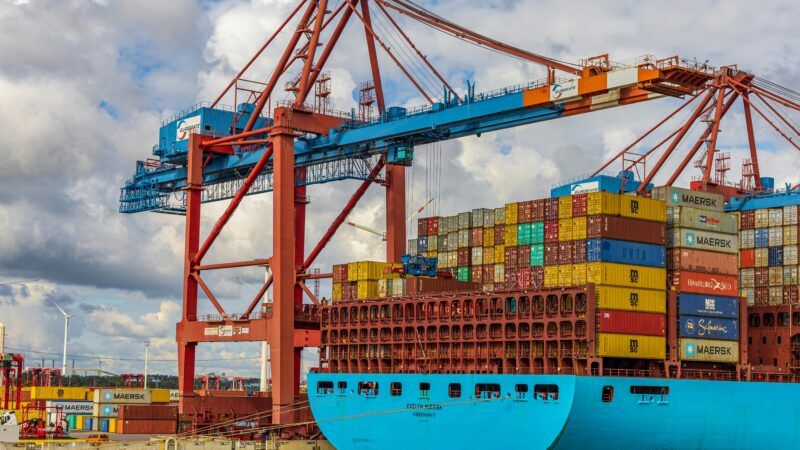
(708, 328)
(703, 240)
(122, 396)
(602, 203)
(704, 283)
(626, 229)
(675, 196)
(701, 219)
(631, 322)
(624, 252)
(709, 350)
(625, 275)
(701, 261)
(631, 346)
(708, 305)
(630, 299)
(642, 208)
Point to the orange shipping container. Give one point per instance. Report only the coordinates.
(681, 259)
(747, 258)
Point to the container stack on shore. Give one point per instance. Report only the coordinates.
(769, 255)
(702, 262)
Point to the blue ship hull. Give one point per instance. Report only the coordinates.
(587, 412)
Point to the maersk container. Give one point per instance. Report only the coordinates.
(709, 350)
(631, 322)
(631, 346)
(623, 252)
(708, 306)
(708, 328)
(675, 196)
(631, 299)
(703, 240)
(701, 219)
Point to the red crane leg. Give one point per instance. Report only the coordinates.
(373, 55)
(712, 147)
(284, 275)
(395, 212)
(299, 254)
(194, 188)
(751, 140)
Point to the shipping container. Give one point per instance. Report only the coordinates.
(775, 256)
(775, 217)
(747, 239)
(551, 276)
(579, 274)
(511, 213)
(565, 230)
(708, 306)
(488, 237)
(631, 322)
(499, 254)
(524, 212)
(579, 205)
(701, 219)
(488, 255)
(630, 299)
(105, 410)
(524, 234)
(565, 252)
(775, 276)
(761, 257)
(747, 258)
(420, 286)
(674, 196)
(709, 350)
(761, 218)
(499, 273)
(701, 261)
(551, 209)
(464, 220)
(58, 393)
(499, 216)
(602, 203)
(537, 210)
(579, 228)
(122, 396)
(623, 252)
(747, 278)
(477, 237)
(510, 235)
(625, 275)
(790, 275)
(340, 270)
(761, 237)
(626, 229)
(775, 236)
(500, 235)
(747, 220)
(790, 235)
(565, 275)
(775, 295)
(642, 208)
(537, 233)
(367, 289)
(551, 231)
(72, 407)
(703, 283)
(703, 240)
(790, 215)
(631, 346)
(422, 245)
(565, 207)
(579, 251)
(147, 426)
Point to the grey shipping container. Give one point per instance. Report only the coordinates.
(701, 219)
(703, 240)
(675, 196)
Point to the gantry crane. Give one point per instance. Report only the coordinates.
(210, 153)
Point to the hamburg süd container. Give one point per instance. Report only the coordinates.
(708, 328)
(631, 322)
(708, 306)
(631, 346)
(674, 196)
(630, 299)
(625, 275)
(624, 252)
(703, 240)
(709, 350)
(704, 283)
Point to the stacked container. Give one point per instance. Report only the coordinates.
(364, 279)
(702, 244)
(768, 256)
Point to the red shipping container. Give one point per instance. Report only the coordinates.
(790, 294)
(499, 235)
(477, 274)
(524, 256)
(551, 231)
(148, 412)
(747, 258)
(579, 204)
(762, 296)
(464, 257)
(339, 273)
(551, 209)
(433, 225)
(537, 210)
(626, 229)
(578, 252)
(477, 237)
(419, 286)
(524, 277)
(537, 278)
(631, 322)
(147, 426)
(680, 259)
(551, 254)
(747, 220)
(565, 252)
(422, 226)
(511, 257)
(511, 279)
(488, 273)
(761, 278)
(524, 212)
(704, 283)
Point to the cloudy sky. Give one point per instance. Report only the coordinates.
(84, 85)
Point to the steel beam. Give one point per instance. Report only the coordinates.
(373, 54)
(751, 140)
(712, 147)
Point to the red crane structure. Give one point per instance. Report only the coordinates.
(11, 367)
(133, 380)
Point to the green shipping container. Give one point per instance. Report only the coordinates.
(537, 233)
(537, 255)
(463, 274)
(524, 234)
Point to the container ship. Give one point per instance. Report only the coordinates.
(602, 319)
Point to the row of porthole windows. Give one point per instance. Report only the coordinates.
(454, 390)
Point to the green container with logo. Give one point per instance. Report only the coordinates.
(675, 196)
(703, 240)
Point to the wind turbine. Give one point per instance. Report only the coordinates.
(66, 327)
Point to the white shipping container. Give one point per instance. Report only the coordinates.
(790, 255)
(762, 257)
(747, 278)
(488, 218)
(790, 215)
(452, 241)
(750, 295)
(477, 256)
(73, 408)
(775, 235)
(412, 246)
(464, 220)
(747, 239)
(433, 243)
(464, 238)
(789, 275)
(398, 288)
(776, 217)
(107, 410)
(762, 218)
(126, 396)
(790, 235)
(383, 288)
(442, 231)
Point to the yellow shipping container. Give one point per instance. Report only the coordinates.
(511, 236)
(352, 271)
(642, 208)
(79, 422)
(112, 425)
(579, 228)
(58, 393)
(488, 255)
(428, 254)
(551, 276)
(579, 274)
(631, 346)
(628, 299)
(602, 203)
(625, 275)
(337, 292)
(488, 236)
(565, 275)
(499, 255)
(367, 289)
(499, 273)
(565, 207)
(564, 230)
(512, 210)
(159, 395)
(370, 270)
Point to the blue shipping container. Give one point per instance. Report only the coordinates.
(708, 306)
(624, 252)
(422, 244)
(709, 328)
(104, 425)
(87, 423)
(761, 237)
(775, 256)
